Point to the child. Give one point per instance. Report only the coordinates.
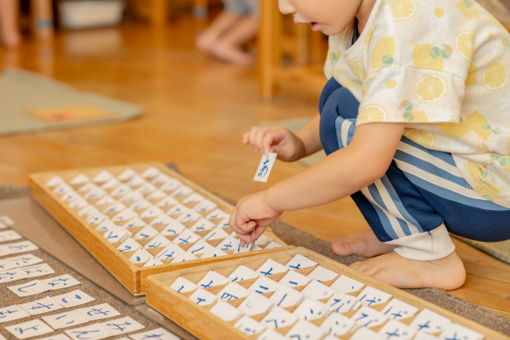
(237, 24)
(8, 23)
(415, 122)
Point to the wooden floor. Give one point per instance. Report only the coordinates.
(196, 110)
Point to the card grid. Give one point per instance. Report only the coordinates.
(287, 298)
(142, 219)
(73, 312)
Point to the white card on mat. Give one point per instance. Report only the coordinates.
(28, 288)
(158, 333)
(19, 261)
(29, 329)
(13, 312)
(264, 168)
(73, 298)
(64, 320)
(41, 306)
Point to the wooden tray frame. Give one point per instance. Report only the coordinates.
(205, 325)
(127, 273)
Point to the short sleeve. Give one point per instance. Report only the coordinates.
(412, 95)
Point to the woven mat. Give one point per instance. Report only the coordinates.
(500, 250)
(31, 102)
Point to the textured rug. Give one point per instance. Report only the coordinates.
(32, 102)
(500, 250)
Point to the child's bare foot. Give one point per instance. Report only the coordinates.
(364, 244)
(204, 42)
(446, 273)
(232, 54)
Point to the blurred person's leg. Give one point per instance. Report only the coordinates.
(230, 45)
(9, 23)
(207, 39)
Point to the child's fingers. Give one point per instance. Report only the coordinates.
(267, 141)
(245, 239)
(254, 137)
(246, 137)
(259, 137)
(262, 138)
(257, 232)
(232, 219)
(239, 225)
(250, 135)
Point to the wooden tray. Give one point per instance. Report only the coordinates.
(83, 227)
(204, 321)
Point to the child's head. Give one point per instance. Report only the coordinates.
(328, 16)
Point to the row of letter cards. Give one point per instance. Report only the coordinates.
(298, 294)
(148, 215)
(38, 300)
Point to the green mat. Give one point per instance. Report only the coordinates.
(500, 250)
(26, 97)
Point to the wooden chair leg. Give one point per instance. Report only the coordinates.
(301, 52)
(269, 46)
(318, 53)
(159, 12)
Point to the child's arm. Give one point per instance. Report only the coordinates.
(288, 145)
(342, 173)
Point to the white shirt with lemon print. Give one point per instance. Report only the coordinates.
(443, 67)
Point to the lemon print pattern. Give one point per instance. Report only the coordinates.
(430, 88)
(383, 53)
(421, 137)
(438, 12)
(357, 69)
(495, 76)
(372, 113)
(468, 9)
(369, 36)
(403, 9)
(390, 84)
(430, 57)
(484, 188)
(472, 77)
(504, 161)
(506, 42)
(475, 122)
(412, 115)
(464, 44)
(334, 56)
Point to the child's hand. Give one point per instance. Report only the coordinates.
(287, 145)
(251, 216)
